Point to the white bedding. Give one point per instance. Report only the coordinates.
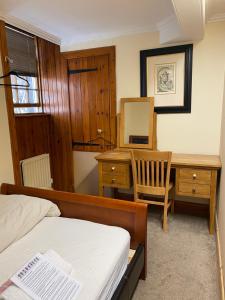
(98, 253)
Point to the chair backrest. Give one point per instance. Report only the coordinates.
(151, 171)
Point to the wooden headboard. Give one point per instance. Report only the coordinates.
(128, 215)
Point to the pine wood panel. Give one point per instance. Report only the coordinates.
(92, 97)
(54, 86)
(33, 135)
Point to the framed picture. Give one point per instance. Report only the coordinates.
(166, 75)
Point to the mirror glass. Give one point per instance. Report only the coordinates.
(136, 122)
(137, 129)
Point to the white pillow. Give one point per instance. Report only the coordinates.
(19, 214)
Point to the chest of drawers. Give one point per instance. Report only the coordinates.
(193, 182)
(115, 175)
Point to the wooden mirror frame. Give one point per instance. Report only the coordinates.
(150, 144)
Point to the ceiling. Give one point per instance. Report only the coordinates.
(76, 21)
(83, 20)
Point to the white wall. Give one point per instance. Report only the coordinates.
(221, 202)
(6, 167)
(198, 132)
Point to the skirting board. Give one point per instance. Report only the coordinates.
(221, 278)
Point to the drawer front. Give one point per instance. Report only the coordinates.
(116, 180)
(195, 175)
(115, 168)
(194, 190)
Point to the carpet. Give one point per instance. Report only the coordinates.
(182, 264)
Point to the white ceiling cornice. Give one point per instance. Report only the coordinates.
(29, 28)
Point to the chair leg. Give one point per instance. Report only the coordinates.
(165, 214)
(165, 219)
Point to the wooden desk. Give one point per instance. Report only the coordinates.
(196, 175)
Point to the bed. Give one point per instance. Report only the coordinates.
(109, 228)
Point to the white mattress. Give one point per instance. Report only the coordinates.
(98, 253)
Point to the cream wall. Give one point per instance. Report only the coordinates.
(6, 167)
(198, 132)
(221, 202)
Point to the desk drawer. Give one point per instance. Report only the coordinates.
(194, 175)
(194, 189)
(116, 180)
(115, 168)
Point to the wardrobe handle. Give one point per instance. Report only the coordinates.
(194, 176)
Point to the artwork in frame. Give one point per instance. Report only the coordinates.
(165, 80)
(166, 75)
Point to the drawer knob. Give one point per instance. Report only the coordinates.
(193, 190)
(194, 176)
(113, 180)
(113, 168)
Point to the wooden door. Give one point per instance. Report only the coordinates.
(92, 99)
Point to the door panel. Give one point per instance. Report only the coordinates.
(91, 102)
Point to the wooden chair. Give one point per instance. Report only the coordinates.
(151, 175)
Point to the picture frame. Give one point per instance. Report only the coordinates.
(166, 75)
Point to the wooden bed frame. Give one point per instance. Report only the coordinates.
(128, 215)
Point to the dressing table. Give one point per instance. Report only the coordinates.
(195, 175)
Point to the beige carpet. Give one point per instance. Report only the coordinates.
(182, 264)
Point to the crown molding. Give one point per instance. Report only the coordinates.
(29, 28)
(216, 18)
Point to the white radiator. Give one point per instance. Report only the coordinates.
(36, 171)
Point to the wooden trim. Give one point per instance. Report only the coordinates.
(151, 142)
(32, 115)
(130, 216)
(9, 105)
(27, 105)
(40, 100)
(220, 265)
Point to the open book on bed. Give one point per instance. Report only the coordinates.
(43, 277)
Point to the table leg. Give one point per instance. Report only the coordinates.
(212, 203)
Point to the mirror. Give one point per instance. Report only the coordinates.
(136, 122)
